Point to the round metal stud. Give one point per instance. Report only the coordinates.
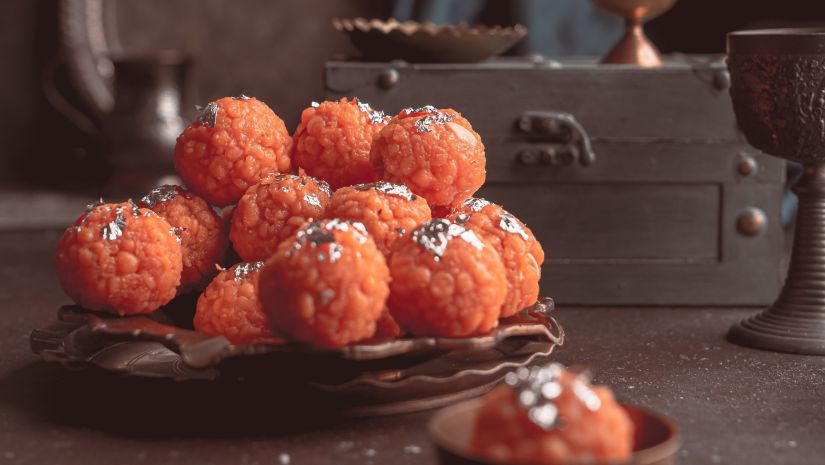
(721, 80)
(388, 78)
(746, 165)
(751, 221)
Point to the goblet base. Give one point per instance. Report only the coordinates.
(796, 322)
(776, 330)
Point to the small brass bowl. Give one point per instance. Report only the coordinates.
(656, 439)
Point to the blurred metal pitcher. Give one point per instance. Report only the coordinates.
(138, 135)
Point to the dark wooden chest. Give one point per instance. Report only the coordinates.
(673, 208)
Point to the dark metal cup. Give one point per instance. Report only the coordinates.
(778, 94)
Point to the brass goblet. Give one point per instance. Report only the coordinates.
(634, 48)
(778, 94)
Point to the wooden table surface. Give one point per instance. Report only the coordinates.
(734, 405)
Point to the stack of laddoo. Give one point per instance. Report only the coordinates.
(358, 228)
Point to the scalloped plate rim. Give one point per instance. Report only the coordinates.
(358, 352)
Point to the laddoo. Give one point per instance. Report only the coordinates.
(234, 142)
(229, 306)
(201, 230)
(551, 416)
(326, 285)
(273, 210)
(520, 252)
(387, 210)
(446, 281)
(434, 152)
(120, 258)
(332, 142)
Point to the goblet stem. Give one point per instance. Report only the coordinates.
(796, 321)
(634, 48)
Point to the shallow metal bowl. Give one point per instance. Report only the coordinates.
(380, 40)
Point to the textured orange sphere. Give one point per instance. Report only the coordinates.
(579, 424)
(333, 140)
(387, 210)
(202, 233)
(520, 252)
(229, 306)
(446, 281)
(434, 152)
(326, 286)
(120, 258)
(272, 210)
(232, 145)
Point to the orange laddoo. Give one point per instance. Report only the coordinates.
(120, 258)
(332, 142)
(386, 328)
(229, 306)
(551, 416)
(326, 286)
(434, 152)
(446, 281)
(234, 143)
(273, 210)
(387, 210)
(202, 232)
(520, 251)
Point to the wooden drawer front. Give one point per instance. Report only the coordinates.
(651, 243)
(616, 223)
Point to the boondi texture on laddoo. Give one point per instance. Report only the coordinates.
(387, 210)
(120, 258)
(234, 143)
(229, 306)
(272, 210)
(326, 286)
(520, 252)
(202, 233)
(333, 140)
(551, 416)
(446, 281)
(434, 152)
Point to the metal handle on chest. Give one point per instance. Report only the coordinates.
(564, 139)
